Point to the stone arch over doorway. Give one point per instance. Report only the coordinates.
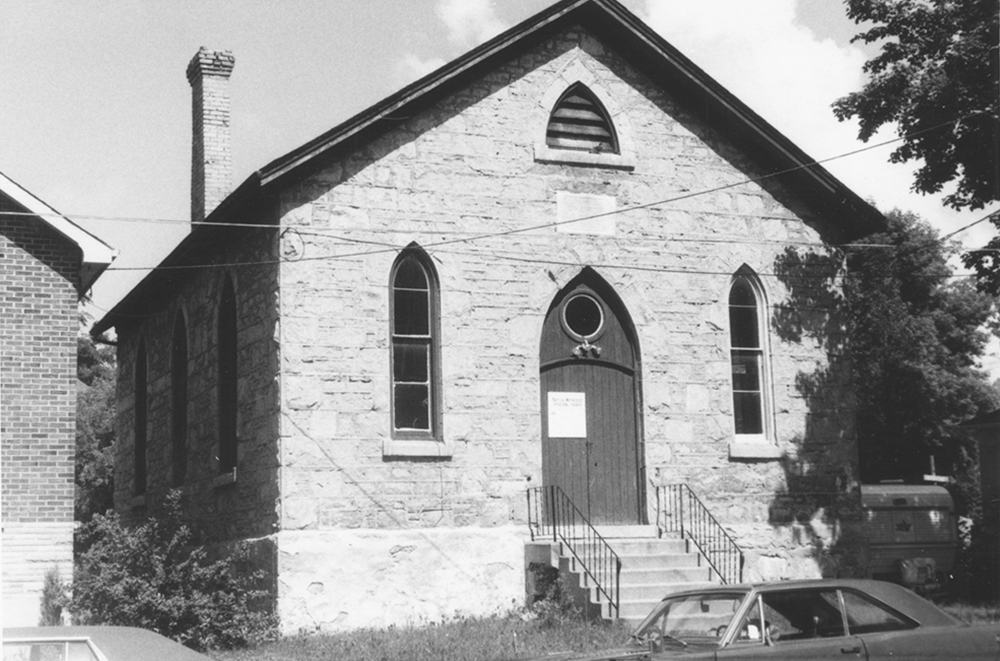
(590, 401)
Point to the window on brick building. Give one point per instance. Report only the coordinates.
(179, 400)
(414, 328)
(579, 122)
(141, 413)
(748, 356)
(227, 375)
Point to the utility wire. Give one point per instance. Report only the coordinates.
(550, 225)
(380, 247)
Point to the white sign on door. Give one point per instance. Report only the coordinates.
(567, 415)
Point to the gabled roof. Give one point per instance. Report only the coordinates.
(606, 19)
(97, 255)
(645, 50)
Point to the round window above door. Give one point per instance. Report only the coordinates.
(582, 317)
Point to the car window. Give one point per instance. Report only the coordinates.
(866, 616)
(800, 614)
(48, 651)
(704, 618)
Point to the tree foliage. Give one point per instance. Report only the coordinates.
(95, 428)
(936, 78)
(152, 576)
(916, 338)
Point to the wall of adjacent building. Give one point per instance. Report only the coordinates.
(39, 271)
(354, 516)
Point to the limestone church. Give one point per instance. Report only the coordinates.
(568, 259)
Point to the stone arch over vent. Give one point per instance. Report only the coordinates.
(577, 76)
(579, 121)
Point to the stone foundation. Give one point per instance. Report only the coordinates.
(339, 580)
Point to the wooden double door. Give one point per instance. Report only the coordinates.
(591, 427)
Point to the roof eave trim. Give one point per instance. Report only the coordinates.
(95, 251)
(285, 164)
(248, 188)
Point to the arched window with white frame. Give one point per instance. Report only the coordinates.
(749, 356)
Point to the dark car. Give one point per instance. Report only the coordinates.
(92, 644)
(817, 619)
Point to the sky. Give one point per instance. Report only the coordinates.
(95, 114)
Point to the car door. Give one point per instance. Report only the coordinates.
(966, 643)
(890, 635)
(794, 624)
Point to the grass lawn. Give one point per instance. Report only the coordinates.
(479, 639)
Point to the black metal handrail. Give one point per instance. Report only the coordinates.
(679, 510)
(552, 514)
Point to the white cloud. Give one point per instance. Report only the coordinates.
(469, 22)
(789, 76)
(411, 67)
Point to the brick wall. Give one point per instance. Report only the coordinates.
(39, 271)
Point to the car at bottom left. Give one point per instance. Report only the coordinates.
(96, 643)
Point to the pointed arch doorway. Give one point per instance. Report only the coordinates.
(591, 428)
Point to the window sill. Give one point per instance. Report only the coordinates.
(405, 448)
(754, 450)
(546, 154)
(224, 479)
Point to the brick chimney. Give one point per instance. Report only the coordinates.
(211, 162)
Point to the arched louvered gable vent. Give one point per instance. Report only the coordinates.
(580, 122)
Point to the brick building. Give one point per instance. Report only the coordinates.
(47, 264)
(567, 258)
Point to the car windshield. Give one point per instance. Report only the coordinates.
(681, 620)
(48, 650)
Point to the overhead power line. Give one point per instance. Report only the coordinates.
(475, 237)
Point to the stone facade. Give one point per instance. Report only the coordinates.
(467, 167)
(41, 272)
(222, 508)
(367, 529)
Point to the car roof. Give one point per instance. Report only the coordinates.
(896, 596)
(115, 643)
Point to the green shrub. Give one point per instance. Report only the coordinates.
(551, 602)
(152, 576)
(54, 599)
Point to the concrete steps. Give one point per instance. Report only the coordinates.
(652, 567)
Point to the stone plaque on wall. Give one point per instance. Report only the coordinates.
(573, 206)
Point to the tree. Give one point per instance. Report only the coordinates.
(95, 428)
(916, 337)
(936, 77)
